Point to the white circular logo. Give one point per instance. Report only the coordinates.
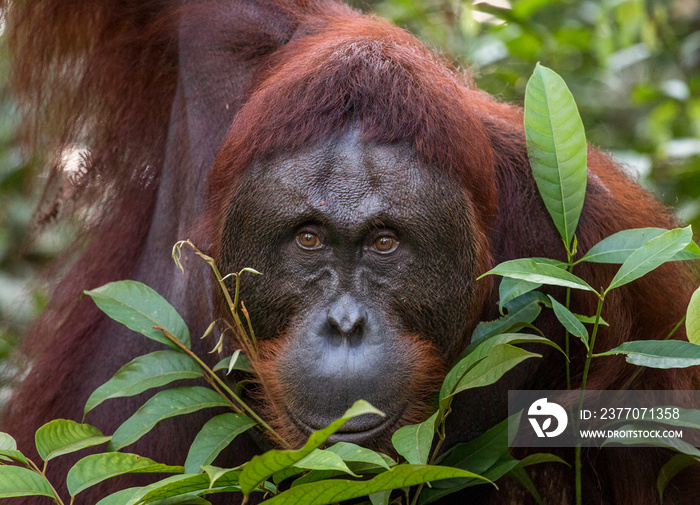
(547, 410)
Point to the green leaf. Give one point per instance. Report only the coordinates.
(413, 441)
(140, 308)
(522, 310)
(8, 449)
(380, 498)
(354, 453)
(487, 455)
(263, 466)
(541, 457)
(62, 436)
(477, 354)
(164, 404)
(569, 321)
(651, 255)
(242, 363)
(541, 273)
(185, 485)
(214, 437)
(120, 497)
(617, 247)
(18, 481)
(8, 454)
(324, 460)
(145, 372)
(509, 289)
(175, 485)
(673, 467)
(658, 353)
(481, 453)
(96, 468)
(692, 318)
(591, 320)
(556, 146)
(488, 370)
(325, 492)
(7, 442)
(183, 499)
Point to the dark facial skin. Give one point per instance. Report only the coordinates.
(364, 251)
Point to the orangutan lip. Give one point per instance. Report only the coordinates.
(350, 435)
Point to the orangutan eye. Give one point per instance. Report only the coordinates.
(385, 244)
(308, 240)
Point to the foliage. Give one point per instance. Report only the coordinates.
(311, 469)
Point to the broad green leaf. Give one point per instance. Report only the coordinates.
(315, 475)
(9, 454)
(413, 441)
(120, 497)
(18, 481)
(651, 255)
(140, 308)
(617, 247)
(541, 273)
(214, 437)
(185, 485)
(673, 467)
(380, 498)
(556, 147)
(325, 492)
(242, 363)
(523, 478)
(96, 468)
(145, 372)
(8, 449)
(324, 460)
(591, 320)
(354, 453)
(183, 499)
(658, 353)
(62, 436)
(509, 289)
(7, 442)
(164, 404)
(486, 455)
(541, 457)
(488, 370)
(692, 318)
(523, 309)
(481, 453)
(263, 466)
(476, 354)
(440, 489)
(569, 321)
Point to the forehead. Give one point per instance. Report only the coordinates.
(351, 180)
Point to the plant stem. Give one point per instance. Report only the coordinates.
(441, 439)
(211, 376)
(589, 357)
(570, 269)
(56, 497)
(591, 343)
(566, 341)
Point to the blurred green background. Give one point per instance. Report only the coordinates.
(633, 67)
